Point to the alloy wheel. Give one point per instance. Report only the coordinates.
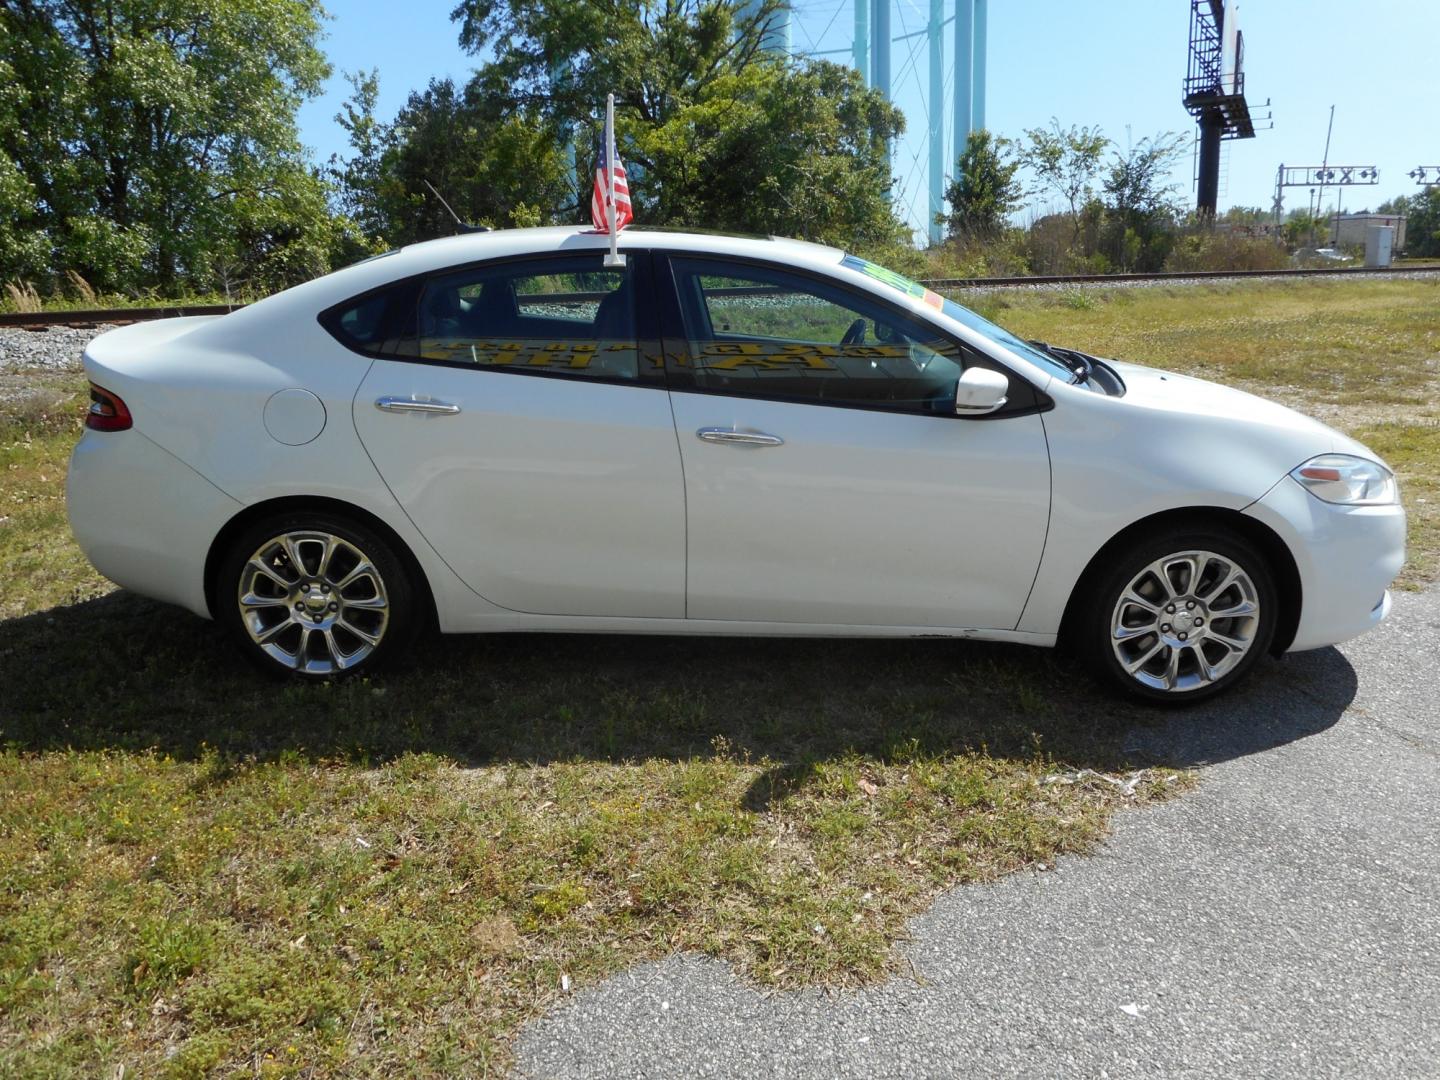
(313, 602)
(1185, 621)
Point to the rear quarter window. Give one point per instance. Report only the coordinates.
(379, 323)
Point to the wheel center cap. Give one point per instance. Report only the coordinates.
(1183, 620)
(315, 600)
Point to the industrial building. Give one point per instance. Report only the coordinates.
(1350, 229)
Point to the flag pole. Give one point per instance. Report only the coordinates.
(614, 258)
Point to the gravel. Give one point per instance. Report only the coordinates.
(1281, 921)
(55, 349)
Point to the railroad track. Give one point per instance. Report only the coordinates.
(118, 316)
(1126, 279)
(41, 320)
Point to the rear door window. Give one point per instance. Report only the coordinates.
(571, 316)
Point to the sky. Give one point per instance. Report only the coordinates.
(1117, 65)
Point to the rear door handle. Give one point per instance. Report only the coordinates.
(738, 438)
(398, 404)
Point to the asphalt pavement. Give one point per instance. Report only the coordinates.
(1281, 920)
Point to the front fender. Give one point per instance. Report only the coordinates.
(1115, 463)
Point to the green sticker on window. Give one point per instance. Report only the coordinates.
(894, 280)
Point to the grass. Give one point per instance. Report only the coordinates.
(202, 871)
(1314, 343)
(42, 567)
(1413, 451)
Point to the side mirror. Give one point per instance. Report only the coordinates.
(980, 391)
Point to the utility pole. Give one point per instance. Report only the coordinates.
(1324, 168)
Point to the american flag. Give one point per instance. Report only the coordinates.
(623, 213)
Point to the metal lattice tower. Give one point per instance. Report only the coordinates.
(871, 53)
(872, 47)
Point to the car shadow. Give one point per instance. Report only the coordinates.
(123, 672)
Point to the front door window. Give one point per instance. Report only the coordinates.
(755, 331)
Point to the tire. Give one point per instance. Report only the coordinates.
(317, 596)
(1180, 616)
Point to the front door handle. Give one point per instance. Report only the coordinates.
(400, 404)
(738, 438)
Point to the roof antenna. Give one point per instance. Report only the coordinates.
(464, 227)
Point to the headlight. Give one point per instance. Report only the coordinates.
(1349, 481)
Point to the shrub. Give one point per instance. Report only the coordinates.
(1225, 251)
(974, 257)
(22, 296)
(81, 286)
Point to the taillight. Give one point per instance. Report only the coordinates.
(107, 411)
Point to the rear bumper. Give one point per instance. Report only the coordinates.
(1347, 557)
(143, 517)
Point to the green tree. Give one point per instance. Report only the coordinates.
(25, 243)
(1422, 222)
(788, 151)
(496, 163)
(1139, 203)
(658, 55)
(1247, 215)
(714, 130)
(158, 140)
(1137, 182)
(985, 190)
(1066, 162)
(357, 178)
(1398, 205)
(1302, 227)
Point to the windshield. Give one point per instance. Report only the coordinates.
(982, 326)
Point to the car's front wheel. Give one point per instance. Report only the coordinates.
(315, 595)
(1180, 616)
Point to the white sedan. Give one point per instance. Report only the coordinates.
(501, 432)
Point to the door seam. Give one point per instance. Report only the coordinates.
(1049, 517)
(684, 503)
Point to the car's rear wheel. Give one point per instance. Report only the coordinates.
(1180, 616)
(316, 595)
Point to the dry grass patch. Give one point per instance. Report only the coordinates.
(1348, 343)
